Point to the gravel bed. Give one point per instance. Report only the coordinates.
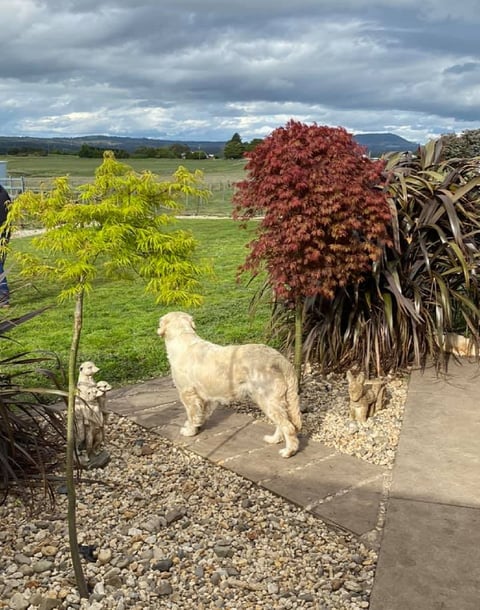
(325, 406)
(164, 528)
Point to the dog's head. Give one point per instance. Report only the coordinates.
(88, 368)
(174, 322)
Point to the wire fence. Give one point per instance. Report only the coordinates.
(14, 186)
(218, 204)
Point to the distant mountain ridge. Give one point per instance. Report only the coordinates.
(376, 143)
(379, 143)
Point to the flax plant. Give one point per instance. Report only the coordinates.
(424, 286)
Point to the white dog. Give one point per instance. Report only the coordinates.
(205, 374)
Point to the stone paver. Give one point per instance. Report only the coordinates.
(357, 509)
(430, 553)
(429, 558)
(266, 464)
(319, 485)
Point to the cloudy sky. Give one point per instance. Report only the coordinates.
(205, 69)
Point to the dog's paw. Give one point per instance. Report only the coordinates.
(286, 453)
(272, 439)
(188, 430)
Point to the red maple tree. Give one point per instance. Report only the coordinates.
(323, 213)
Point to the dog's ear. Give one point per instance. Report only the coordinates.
(162, 327)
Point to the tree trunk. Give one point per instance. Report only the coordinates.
(70, 466)
(298, 339)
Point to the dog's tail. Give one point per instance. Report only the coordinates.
(292, 397)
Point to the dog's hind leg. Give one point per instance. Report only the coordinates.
(276, 411)
(285, 430)
(196, 411)
(289, 433)
(276, 437)
(291, 442)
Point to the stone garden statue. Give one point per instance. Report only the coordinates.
(366, 396)
(90, 418)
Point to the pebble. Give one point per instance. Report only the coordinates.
(173, 530)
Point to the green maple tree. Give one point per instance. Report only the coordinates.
(121, 223)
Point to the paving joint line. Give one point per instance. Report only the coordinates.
(342, 492)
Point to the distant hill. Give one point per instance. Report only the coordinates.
(376, 143)
(379, 143)
(73, 145)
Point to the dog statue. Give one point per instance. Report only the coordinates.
(206, 374)
(366, 397)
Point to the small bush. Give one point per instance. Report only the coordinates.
(32, 430)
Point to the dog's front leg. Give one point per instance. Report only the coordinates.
(195, 410)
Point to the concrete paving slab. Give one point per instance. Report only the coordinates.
(170, 431)
(143, 395)
(357, 509)
(438, 456)
(268, 464)
(227, 442)
(224, 418)
(221, 421)
(430, 552)
(159, 415)
(429, 558)
(318, 480)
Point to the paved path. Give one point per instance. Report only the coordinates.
(430, 552)
(429, 555)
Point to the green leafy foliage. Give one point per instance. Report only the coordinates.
(120, 223)
(234, 148)
(461, 146)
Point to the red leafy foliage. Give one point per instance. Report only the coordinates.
(324, 213)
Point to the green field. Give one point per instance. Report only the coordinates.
(220, 175)
(120, 319)
(62, 165)
(119, 331)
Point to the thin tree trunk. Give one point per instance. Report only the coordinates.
(298, 339)
(70, 466)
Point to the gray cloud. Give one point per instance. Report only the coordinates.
(193, 70)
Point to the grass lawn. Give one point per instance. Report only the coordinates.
(120, 321)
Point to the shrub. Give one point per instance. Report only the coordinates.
(32, 430)
(324, 217)
(424, 285)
